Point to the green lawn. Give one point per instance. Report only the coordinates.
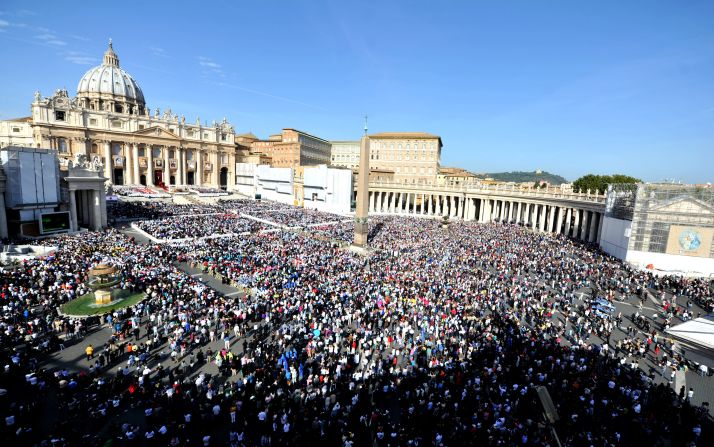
(82, 306)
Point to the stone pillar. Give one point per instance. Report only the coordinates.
(108, 161)
(593, 226)
(510, 211)
(559, 221)
(527, 215)
(198, 173)
(216, 170)
(568, 217)
(601, 219)
(180, 165)
(72, 210)
(96, 210)
(576, 223)
(135, 163)
(584, 226)
(428, 205)
(437, 205)
(167, 169)
(128, 174)
(371, 201)
(150, 164)
(361, 231)
(542, 218)
(3, 215)
(551, 217)
(534, 222)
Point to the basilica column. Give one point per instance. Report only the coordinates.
(216, 170)
(135, 162)
(371, 201)
(149, 149)
(108, 161)
(126, 153)
(198, 174)
(167, 169)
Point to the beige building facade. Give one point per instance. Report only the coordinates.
(413, 156)
(292, 148)
(345, 154)
(109, 122)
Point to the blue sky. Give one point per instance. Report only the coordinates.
(571, 87)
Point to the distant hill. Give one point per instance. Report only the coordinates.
(521, 176)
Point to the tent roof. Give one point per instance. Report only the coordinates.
(699, 332)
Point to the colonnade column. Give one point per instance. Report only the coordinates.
(72, 209)
(593, 226)
(576, 223)
(584, 225)
(551, 217)
(559, 220)
(542, 218)
(96, 210)
(599, 227)
(568, 217)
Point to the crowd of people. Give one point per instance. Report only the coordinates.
(199, 226)
(436, 337)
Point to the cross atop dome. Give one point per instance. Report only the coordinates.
(110, 57)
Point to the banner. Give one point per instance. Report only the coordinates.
(690, 241)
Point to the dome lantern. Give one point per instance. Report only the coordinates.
(110, 57)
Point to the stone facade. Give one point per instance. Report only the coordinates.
(292, 148)
(108, 121)
(413, 156)
(345, 154)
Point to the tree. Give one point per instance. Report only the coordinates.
(598, 183)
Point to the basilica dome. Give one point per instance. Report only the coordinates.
(109, 82)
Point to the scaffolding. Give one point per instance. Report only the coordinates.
(658, 209)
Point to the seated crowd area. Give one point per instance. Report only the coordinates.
(436, 337)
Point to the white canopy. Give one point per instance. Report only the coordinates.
(698, 332)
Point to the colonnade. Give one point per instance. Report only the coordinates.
(164, 165)
(581, 221)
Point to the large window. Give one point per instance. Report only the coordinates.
(62, 146)
(59, 115)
